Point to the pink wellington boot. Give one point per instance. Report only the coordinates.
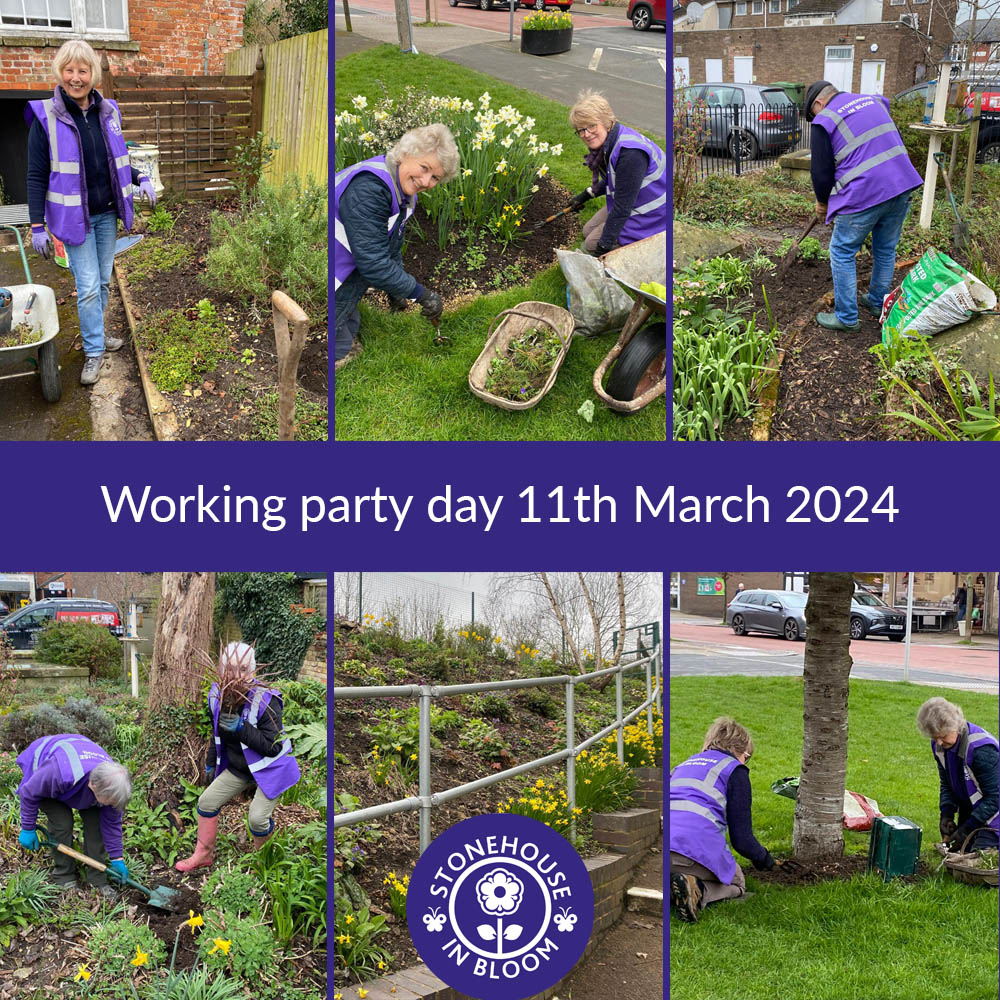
(204, 852)
(260, 839)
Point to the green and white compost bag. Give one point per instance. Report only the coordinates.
(937, 294)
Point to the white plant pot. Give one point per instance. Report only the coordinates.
(145, 157)
(961, 628)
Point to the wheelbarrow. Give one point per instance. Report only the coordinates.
(35, 305)
(162, 897)
(640, 355)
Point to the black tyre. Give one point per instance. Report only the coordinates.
(452, 3)
(745, 143)
(485, 4)
(640, 365)
(642, 17)
(858, 628)
(539, 5)
(896, 638)
(48, 371)
(791, 629)
(989, 151)
(739, 625)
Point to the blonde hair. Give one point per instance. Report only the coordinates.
(937, 716)
(76, 50)
(591, 108)
(427, 140)
(728, 735)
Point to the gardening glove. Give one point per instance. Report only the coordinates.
(209, 775)
(957, 839)
(118, 867)
(28, 839)
(146, 191)
(948, 827)
(230, 722)
(40, 242)
(581, 199)
(431, 305)
(602, 249)
(821, 211)
(396, 304)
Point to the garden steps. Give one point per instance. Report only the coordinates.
(161, 413)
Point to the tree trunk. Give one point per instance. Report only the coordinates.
(544, 577)
(818, 831)
(183, 625)
(598, 658)
(621, 619)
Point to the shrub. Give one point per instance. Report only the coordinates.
(238, 893)
(481, 737)
(113, 944)
(78, 715)
(490, 706)
(304, 701)
(541, 703)
(280, 243)
(251, 950)
(81, 644)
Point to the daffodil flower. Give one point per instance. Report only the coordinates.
(194, 921)
(220, 944)
(141, 957)
(81, 974)
(362, 992)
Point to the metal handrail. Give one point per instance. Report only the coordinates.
(427, 800)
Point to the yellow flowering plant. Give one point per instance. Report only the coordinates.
(547, 20)
(354, 947)
(544, 801)
(397, 888)
(602, 784)
(640, 748)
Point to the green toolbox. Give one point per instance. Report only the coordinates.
(895, 847)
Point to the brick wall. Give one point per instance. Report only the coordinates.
(797, 54)
(649, 789)
(164, 39)
(714, 607)
(636, 829)
(314, 665)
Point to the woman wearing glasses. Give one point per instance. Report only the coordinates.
(628, 168)
(710, 794)
(967, 758)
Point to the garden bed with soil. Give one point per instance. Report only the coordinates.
(805, 873)
(236, 396)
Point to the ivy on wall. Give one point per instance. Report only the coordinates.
(262, 604)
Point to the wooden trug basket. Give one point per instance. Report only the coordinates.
(508, 326)
(963, 871)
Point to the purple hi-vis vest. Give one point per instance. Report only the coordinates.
(57, 767)
(66, 210)
(343, 257)
(870, 160)
(698, 811)
(957, 764)
(649, 213)
(272, 774)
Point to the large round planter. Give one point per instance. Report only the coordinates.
(546, 43)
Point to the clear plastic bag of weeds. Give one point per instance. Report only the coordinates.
(598, 303)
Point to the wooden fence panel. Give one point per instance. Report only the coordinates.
(295, 102)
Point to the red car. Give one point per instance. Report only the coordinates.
(643, 13)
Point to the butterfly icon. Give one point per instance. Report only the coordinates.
(565, 920)
(434, 920)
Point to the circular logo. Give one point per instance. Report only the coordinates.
(500, 907)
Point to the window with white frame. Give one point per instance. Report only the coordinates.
(774, 6)
(741, 7)
(758, 7)
(86, 17)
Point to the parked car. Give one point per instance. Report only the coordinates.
(870, 615)
(481, 4)
(988, 143)
(505, 4)
(22, 627)
(643, 13)
(747, 118)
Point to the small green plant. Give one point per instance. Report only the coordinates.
(443, 719)
(26, 897)
(153, 257)
(305, 701)
(397, 889)
(160, 220)
(484, 739)
(809, 248)
(540, 703)
(546, 802)
(490, 706)
(602, 784)
(309, 740)
(474, 257)
(113, 944)
(250, 160)
(354, 946)
(248, 357)
(184, 343)
(251, 946)
(311, 418)
(522, 371)
(236, 892)
(20, 335)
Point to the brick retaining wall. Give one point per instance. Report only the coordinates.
(628, 834)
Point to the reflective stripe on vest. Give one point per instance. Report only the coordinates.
(707, 784)
(253, 718)
(865, 165)
(41, 749)
(693, 807)
(872, 133)
(75, 765)
(55, 164)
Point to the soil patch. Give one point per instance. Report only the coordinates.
(792, 872)
(164, 925)
(223, 403)
(475, 262)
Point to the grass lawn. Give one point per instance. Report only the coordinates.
(857, 940)
(403, 388)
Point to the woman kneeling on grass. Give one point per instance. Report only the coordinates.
(247, 750)
(967, 757)
(710, 793)
(629, 168)
(372, 201)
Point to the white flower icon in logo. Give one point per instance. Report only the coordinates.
(434, 919)
(565, 920)
(500, 893)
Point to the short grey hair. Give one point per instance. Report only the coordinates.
(76, 50)
(427, 140)
(938, 715)
(111, 782)
(826, 93)
(728, 735)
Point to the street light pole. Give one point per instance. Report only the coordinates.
(909, 629)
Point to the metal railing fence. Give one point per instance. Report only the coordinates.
(427, 800)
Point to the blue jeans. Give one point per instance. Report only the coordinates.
(885, 223)
(91, 264)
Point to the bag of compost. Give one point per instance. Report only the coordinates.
(937, 294)
(598, 303)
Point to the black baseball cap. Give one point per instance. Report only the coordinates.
(812, 92)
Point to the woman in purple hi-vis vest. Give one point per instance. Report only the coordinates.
(80, 183)
(248, 750)
(710, 795)
(628, 168)
(967, 757)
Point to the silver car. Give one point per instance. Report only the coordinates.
(776, 612)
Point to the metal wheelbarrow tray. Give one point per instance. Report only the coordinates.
(630, 266)
(43, 354)
(512, 324)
